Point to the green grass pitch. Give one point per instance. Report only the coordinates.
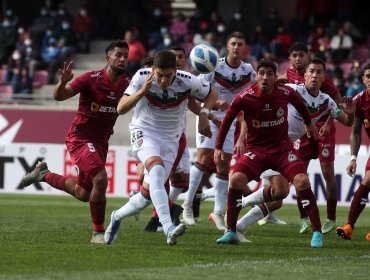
(47, 237)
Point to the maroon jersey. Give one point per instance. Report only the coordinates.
(363, 109)
(98, 101)
(266, 117)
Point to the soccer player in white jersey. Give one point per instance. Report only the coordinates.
(159, 96)
(319, 105)
(230, 77)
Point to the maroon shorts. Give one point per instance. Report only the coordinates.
(254, 162)
(180, 151)
(89, 159)
(323, 148)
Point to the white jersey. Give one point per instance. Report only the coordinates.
(318, 106)
(162, 112)
(229, 81)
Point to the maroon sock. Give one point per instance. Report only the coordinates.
(196, 204)
(331, 208)
(232, 208)
(97, 210)
(55, 180)
(302, 212)
(154, 213)
(308, 201)
(358, 204)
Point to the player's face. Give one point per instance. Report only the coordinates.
(180, 59)
(366, 78)
(266, 79)
(164, 77)
(298, 59)
(117, 60)
(236, 48)
(314, 76)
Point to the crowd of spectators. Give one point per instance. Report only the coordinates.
(56, 34)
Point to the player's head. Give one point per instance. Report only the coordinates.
(164, 67)
(315, 74)
(266, 76)
(366, 75)
(180, 57)
(236, 45)
(147, 62)
(116, 54)
(298, 55)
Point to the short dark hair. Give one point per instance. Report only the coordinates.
(146, 62)
(164, 59)
(317, 60)
(177, 48)
(298, 46)
(366, 67)
(118, 44)
(268, 64)
(236, 34)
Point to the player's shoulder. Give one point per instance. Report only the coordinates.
(93, 74)
(184, 75)
(284, 89)
(144, 71)
(249, 91)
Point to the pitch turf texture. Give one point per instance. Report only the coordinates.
(47, 237)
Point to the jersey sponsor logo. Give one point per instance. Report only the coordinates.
(258, 123)
(249, 91)
(363, 201)
(267, 108)
(95, 107)
(292, 157)
(96, 75)
(284, 89)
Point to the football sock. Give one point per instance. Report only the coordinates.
(196, 174)
(253, 216)
(302, 212)
(232, 208)
(174, 193)
(358, 204)
(331, 207)
(55, 180)
(309, 204)
(97, 210)
(196, 204)
(221, 186)
(136, 203)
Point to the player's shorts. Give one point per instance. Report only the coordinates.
(184, 164)
(253, 163)
(88, 158)
(145, 145)
(210, 143)
(323, 148)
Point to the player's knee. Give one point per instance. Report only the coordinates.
(238, 181)
(301, 182)
(81, 194)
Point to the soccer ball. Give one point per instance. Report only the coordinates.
(204, 58)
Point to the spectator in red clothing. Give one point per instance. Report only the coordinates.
(136, 54)
(281, 43)
(179, 28)
(82, 27)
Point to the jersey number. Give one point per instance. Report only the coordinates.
(91, 147)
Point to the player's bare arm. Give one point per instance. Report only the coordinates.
(128, 102)
(240, 146)
(221, 105)
(312, 131)
(355, 142)
(209, 102)
(62, 91)
(195, 106)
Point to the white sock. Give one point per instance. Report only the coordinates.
(221, 188)
(159, 195)
(209, 193)
(255, 198)
(136, 203)
(194, 181)
(253, 216)
(174, 193)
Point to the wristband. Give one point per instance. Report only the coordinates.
(353, 157)
(204, 110)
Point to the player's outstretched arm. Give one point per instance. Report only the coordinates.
(209, 102)
(62, 91)
(348, 107)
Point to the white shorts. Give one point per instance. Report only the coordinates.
(266, 175)
(210, 143)
(184, 164)
(145, 146)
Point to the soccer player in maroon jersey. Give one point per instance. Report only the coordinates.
(265, 108)
(324, 147)
(87, 139)
(360, 198)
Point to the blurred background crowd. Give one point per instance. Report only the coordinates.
(37, 36)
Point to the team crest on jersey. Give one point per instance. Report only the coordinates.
(280, 112)
(76, 170)
(292, 157)
(139, 143)
(202, 138)
(325, 152)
